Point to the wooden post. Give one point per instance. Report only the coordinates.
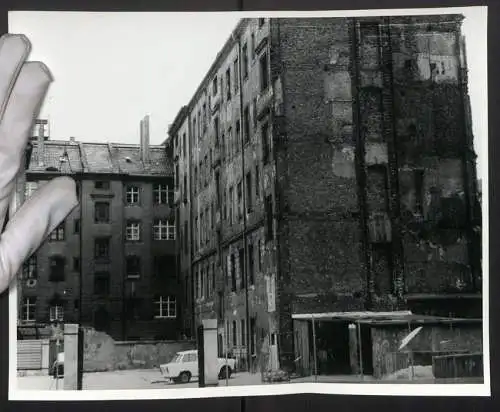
(314, 349)
(70, 357)
(360, 351)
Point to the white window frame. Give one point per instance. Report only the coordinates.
(167, 306)
(29, 189)
(30, 268)
(163, 230)
(133, 231)
(160, 189)
(56, 313)
(134, 193)
(27, 304)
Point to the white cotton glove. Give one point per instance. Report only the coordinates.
(23, 86)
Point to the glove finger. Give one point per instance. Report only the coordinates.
(31, 225)
(15, 127)
(14, 50)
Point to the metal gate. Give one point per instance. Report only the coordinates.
(29, 354)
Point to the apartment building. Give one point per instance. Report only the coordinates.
(111, 263)
(325, 169)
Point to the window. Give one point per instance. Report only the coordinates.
(57, 264)
(216, 130)
(265, 142)
(233, 273)
(246, 124)
(76, 226)
(244, 52)
(257, 182)
(101, 283)
(29, 189)
(133, 267)
(240, 201)
(165, 307)
(177, 176)
(214, 86)
(252, 45)
(237, 136)
(161, 194)
(259, 255)
(164, 229)
(202, 229)
(101, 248)
(30, 268)
(184, 147)
(235, 333)
(132, 196)
(248, 184)
(228, 83)
(236, 76)
(133, 309)
(164, 266)
(241, 262)
(56, 313)
(230, 206)
(57, 234)
(76, 264)
(101, 212)
(264, 73)
(204, 117)
(251, 265)
(243, 334)
(28, 309)
(133, 231)
(269, 218)
(254, 109)
(102, 185)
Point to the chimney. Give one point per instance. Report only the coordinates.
(145, 139)
(40, 125)
(72, 140)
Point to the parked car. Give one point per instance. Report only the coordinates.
(184, 366)
(57, 370)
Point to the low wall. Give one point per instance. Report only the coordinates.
(433, 340)
(102, 353)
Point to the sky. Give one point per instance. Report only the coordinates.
(111, 69)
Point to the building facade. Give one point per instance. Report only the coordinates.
(326, 166)
(111, 263)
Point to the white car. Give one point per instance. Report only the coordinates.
(184, 366)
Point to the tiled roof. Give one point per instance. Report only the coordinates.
(108, 158)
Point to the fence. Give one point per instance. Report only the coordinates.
(467, 365)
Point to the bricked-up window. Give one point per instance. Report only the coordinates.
(228, 83)
(419, 191)
(214, 86)
(101, 283)
(165, 307)
(216, 130)
(269, 218)
(240, 201)
(76, 226)
(236, 69)
(251, 265)
(132, 195)
(264, 72)
(265, 142)
(371, 114)
(56, 313)
(162, 194)
(133, 310)
(101, 184)
(30, 268)
(101, 248)
(248, 184)
(382, 268)
(164, 229)
(243, 334)
(28, 309)
(76, 264)
(101, 212)
(241, 264)
(246, 124)
(233, 273)
(29, 189)
(57, 235)
(377, 188)
(244, 52)
(231, 203)
(370, 45)
(164, 266)
(133, 267)
(56, 264)
(133, 231)
(235, 333)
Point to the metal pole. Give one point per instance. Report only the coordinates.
(226, 329)
(314, 349)
(360, 351)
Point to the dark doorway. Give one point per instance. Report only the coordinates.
(366, 349)
(332, 347)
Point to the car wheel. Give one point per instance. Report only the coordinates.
(184, 377)
(225, 371)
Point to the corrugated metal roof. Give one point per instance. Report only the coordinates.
(67, 157)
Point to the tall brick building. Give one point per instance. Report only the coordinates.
(325, 168)
(111, 264)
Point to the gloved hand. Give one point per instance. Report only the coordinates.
(23, 86)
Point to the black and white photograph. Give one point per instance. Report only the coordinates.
(267, 203)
